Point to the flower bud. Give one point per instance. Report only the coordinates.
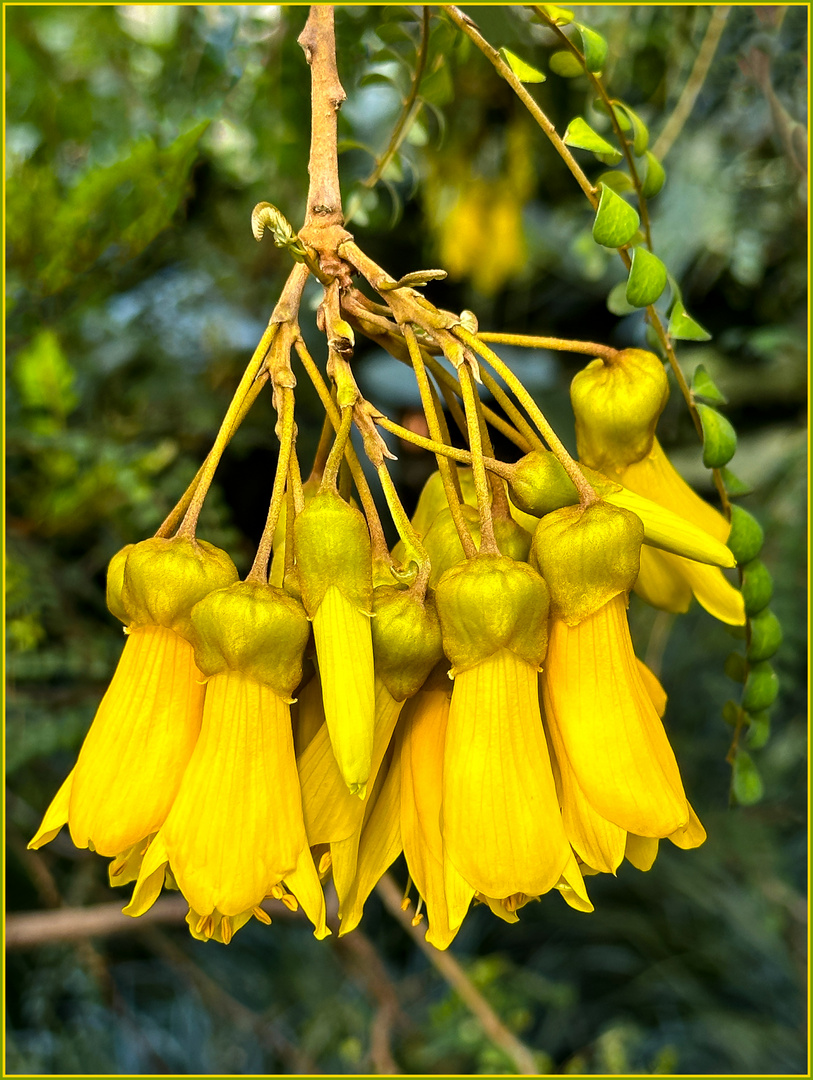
(539, 484)
(406, 640)
(617, 404)
(255, 629)
(442, 542)
(490, 603)
(163, 579)
(332, 546)
(587, 556)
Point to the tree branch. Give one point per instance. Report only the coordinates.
(318, 42)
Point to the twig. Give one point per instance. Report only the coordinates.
(455, 976)
(694, 84)
(318, 41)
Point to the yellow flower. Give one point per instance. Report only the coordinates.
(617, 771)
(668, 581)
(235, 832)
(132, 760)
(501, 824)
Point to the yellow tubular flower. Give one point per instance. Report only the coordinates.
(501, 824)
(332, 546)
(131, 763)
(235, 831)
(600, 714)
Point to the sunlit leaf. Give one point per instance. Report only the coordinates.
(617, 180)
(580, 134)
(654, 176)
(617, 300)
(719, 437)
(640, 132)
(564, 63)
(684, 327)
(704, 386)
(524, 72)
(594, 48)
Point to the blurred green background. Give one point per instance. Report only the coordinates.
(138, 140)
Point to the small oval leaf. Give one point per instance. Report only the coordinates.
(561, 16)
(617, 301)
(761, 688)
(640, 132)
(594, 48)
(704, 386)
(580, 134)
(684, 327)
(733, 485)
(746, 536)
(719, 437)
(735, 667)
(766, 636)
(524, 72)
(616, 221)
(759, 729)
(746, 783)
(757, 587)
(654, 176)
(647, 278)
(564, 63)
(617, 180)
(732, 713)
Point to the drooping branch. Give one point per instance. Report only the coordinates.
(318, 42)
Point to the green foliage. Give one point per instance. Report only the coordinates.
(616, 222)
(647, 278)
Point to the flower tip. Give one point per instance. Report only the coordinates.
(358, 789)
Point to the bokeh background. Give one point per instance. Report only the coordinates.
(138, 140)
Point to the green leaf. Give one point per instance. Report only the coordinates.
(640, 132)
(616, 221)
(594, 48)
(735, 667)
(746, 536)
(683, 327)
(564, 63)
(719, 437)
(561, 16)
(759, 729)
(704, 386)
(731, 713)
(647, 278)
(45, 379)
(766, 636)
(733, 485)
(617, 180)
(746, 783)
(617, 300)
(757, 587)
(437, 87)
(654, 176)
(580, 134)
(761, 687)
(524, 72)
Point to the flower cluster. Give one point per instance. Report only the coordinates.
(470, 699)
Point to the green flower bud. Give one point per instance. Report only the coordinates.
(253, 628)
(406, 640)
(165, 578)
(766, 636)
(587, 557)
(489, 603)
(617, 404)
(332, 547)
(757, 586)
(115, 583)
(538, 484)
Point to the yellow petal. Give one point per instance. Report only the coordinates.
(305, 885)
(656, 478)
(308, 714)
(55, 816)
(692, 836)
(344, 648)
(498, 908)
(380, 845)
(657, 694)
(131, 763)
(641, 851)
(713, 592)
(150, 878)
(422, 739)
(236, 826)
(667, 530)
(608, 726)
(501, 823)
(660, 582)
(215, 927)
(127, 866)
(572, 888)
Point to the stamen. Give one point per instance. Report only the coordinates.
(418, 916)
(261, 916)
(119, 869)
(226, 929)
(277, 892)
(325, 863)
(405, 902)
(290, 901)
(200, 924)
(208, 927)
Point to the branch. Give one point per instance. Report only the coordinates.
(455, 976)
(318, 42)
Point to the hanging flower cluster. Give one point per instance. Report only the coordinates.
(471, 698)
